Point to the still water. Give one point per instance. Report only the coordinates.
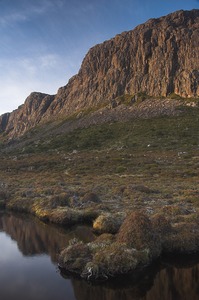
(28, 268)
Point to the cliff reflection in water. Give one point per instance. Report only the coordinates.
(166, 280)
(35, 237)
(165, 283)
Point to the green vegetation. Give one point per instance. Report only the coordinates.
(163, 133)
(145, 170)
(175, 96)
(127, 99)
(130, 163)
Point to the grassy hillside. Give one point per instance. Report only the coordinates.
(101, 174)
(160, 153)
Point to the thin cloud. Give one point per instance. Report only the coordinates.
(44, 73)
(49, 61)
(22, 12)
(12, 18)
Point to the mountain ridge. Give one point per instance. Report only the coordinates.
(156, 58)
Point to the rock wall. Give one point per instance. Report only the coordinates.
(158, 58)
(27, 115)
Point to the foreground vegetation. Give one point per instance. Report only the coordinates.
(135, 181)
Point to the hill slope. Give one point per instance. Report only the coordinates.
(157, 58)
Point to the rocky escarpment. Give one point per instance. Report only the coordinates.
(27, 115)
(158, 58)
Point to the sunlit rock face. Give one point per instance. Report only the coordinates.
(27, 115)
(157, 58)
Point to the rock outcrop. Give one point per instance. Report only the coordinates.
(158, 58)
(27, 115)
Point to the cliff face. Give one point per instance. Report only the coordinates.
(27, 115)
(158, 57)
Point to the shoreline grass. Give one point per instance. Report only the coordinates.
(102, 173)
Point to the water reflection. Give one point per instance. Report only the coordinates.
(160, 282)
(35, 237)
(28, 247)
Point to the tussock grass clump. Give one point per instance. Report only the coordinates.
(138, 242)
(143, 189)
(69, 216)
(172, 210)
(116, 259)
(105, 238)
(42, 208)
(59, 200)
(184, 239)
(86, 200)
(108, 223)
(90, 214)
(42, 213)
(100, 260)
(161, 225)
(177, 213)
(75, 257)
(20, 204)
(90, 198)
(54, 209)
(65, 216)
(137, 232)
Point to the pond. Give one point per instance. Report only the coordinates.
(28, 268)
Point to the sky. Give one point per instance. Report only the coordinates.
(43, 42)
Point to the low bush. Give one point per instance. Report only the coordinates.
(137, 232)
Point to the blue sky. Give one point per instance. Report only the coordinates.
(43, 42)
